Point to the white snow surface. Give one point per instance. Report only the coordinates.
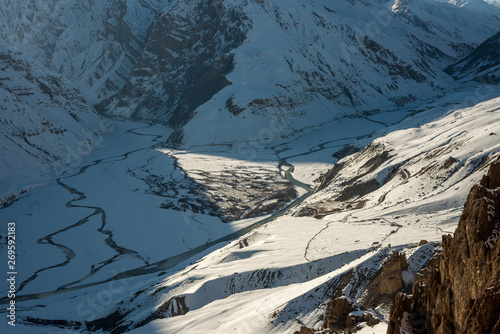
(89, 206)
(306, 63)
(295, 70)
(276, 277)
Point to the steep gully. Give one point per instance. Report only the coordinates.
(168, 262)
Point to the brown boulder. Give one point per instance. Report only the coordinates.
(338, 312)
(399, 311)
(387, 282)
(341, 315)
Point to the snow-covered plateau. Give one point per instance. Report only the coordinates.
(234, 166)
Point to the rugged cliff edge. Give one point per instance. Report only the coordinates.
(460, 291)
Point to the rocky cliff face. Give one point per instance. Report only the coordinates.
(387, 283)
(184, 63)
(343, 315)
(460, 292)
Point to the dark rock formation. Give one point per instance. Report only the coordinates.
(460, 291)
(346, 150)
(184, 63)
(112, 323)
(338, 311)
(344, 315)
(388, 282)
(399, 308)
(55, 323)
(115, 323)
(171, 308)
(376, 155)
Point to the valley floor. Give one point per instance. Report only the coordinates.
(217, 239)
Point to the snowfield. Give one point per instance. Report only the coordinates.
(272, 279)
(264, 158)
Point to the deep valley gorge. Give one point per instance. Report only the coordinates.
(243, 166)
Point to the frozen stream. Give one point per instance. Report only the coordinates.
(108, 221)
(75, 182)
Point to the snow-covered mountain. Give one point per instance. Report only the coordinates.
(184, 63)
(418, 166)
(238, 65)
(345, 150)
(58, 58)
(300, 63)
(482, 65)
(399, 194)
(45, 124)
(93, 44)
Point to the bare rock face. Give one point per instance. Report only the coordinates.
(186, 57)
(399, 313)
(391, 279)
(460, 291)
(388, 282)
(344, 315)
(338, 312)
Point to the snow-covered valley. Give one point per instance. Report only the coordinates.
(109, 255)
(239, 166)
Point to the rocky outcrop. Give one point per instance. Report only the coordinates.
(460, 291)
(185, 60)
(374, 155)
(388, 282)
(344, 315)
(338, 311)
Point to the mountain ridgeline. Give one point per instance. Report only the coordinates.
(483, 64)
(236, 64)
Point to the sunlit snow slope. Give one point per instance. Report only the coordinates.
(304, 142)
